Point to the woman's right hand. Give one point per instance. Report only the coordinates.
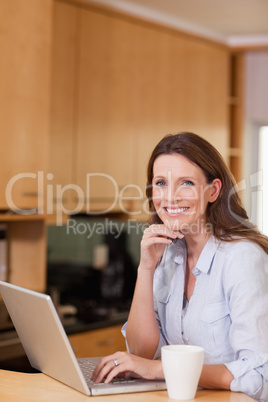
(153, 244)
(128, 365)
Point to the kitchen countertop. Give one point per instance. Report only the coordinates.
(73, 325)
(21, 387)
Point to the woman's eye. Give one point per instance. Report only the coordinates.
(160, 183)
(187, 183)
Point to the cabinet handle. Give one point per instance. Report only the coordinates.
(105, 342)
(30, 194)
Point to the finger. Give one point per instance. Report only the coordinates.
(155, 240)
(102, 363)
(154, 236)
(117, 371)
(106, 365)
(112, 374)
(179, 235)
(156, 228)
(165, 230)
(160, 230)
(109, 370)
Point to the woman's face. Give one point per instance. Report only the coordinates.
(181, 193)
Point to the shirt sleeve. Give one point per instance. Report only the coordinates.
(246, 284)
(251, 376)
(123, 331)
(162, 340)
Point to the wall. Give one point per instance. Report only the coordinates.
(256, 86)
(256, 114)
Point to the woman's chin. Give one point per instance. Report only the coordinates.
(173, 225)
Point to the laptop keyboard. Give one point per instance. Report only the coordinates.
(87, 367)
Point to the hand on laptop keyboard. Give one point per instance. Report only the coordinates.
(126, 365)
(87, 366)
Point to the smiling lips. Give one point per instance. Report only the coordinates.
(175, 211)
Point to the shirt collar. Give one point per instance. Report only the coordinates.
(180, 251)
(206, 257)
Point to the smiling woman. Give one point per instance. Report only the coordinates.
(180, 197)
(203, 274)
(225, 212)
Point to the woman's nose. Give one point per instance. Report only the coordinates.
(172, 193)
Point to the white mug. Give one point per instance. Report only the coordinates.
(182, 366)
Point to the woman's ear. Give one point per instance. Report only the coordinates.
(216, 186)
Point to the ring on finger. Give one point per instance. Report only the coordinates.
(116, 362)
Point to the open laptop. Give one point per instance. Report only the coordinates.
(49, 351)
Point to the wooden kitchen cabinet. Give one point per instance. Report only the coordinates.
(63, 103)
(26, 238)
(108, 97)
(236, 105)
(25, 48)
(184, 86)
(137, 83)
(126, 84)
(99, 342)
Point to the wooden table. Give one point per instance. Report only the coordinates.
(24, 387)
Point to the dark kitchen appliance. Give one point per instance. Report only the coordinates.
(96, 294)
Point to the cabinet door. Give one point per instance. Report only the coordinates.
(107, 115)
(63, 102)
(25, 48)
(138, 83)
(135, 82)
(27, 253)
(100, 342)
(183, 87)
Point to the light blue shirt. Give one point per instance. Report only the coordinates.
(227, 314)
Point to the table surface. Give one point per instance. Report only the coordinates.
(22, 387)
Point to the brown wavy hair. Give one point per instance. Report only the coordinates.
(227, 215)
